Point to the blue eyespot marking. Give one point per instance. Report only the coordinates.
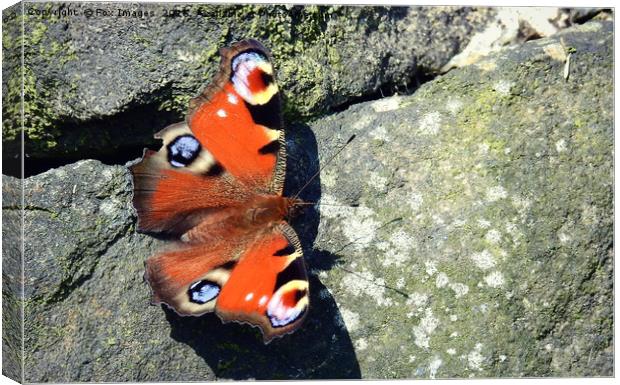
(183, 150)
(202, 292)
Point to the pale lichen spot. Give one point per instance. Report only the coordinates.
(592, 26)
(453, 317)
(496, 193)
(360, 227)
(433, 366)
(564, 238)
(451, 351)
(493, 236)
(483, 148)
(560, 145)
(415, 201)
(328, 179)
(441, 280)
(590, 214)
(487, 65)
(502, 358)
(514, 232)
(430, 123)
(380, 133)
(387, 104)
(366, 285)
(351, 319)
(430, 267)
(361, 344)
(422, 332)
(398, 253)
(549, 347)
(454, 106)
(503, 87)
(358, 224)
(187, 57)
(418, 300)
(400, 283)
(474, 358)
(483, 223)
(459, 289)
(362, 123)
(495, 279)
(484, 260)
(377, 181)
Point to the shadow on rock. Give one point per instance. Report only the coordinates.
(321, 348)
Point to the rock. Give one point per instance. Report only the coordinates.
(78, 103)
(12, 336)
(480, 241)
(467, 231)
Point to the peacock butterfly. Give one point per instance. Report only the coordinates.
(216, 185)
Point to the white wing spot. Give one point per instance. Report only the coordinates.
(249, 296)
(232, 99)
(221, 113)
(262, 300)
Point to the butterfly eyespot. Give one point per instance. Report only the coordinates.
(183, 150)
(287, 307)
(203, 291)
(249, 58)
(252, 78)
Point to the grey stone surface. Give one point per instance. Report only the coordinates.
(12, 335)
(466, 232)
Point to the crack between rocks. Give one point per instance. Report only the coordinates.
(29, 208)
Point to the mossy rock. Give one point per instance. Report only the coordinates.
(102, 85)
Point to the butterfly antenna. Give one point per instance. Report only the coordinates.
(325, 165)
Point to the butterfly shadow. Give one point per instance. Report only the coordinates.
(322, 347)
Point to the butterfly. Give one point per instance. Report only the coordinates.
(216, 185)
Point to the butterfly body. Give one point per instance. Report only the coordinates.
(216, 185)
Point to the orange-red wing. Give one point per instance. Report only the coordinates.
(238, 118)
(172, 194)
(189, 278)
(268, 287)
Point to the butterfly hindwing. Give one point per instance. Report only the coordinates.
(189, 278)
(268, 287)
(261, 280)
